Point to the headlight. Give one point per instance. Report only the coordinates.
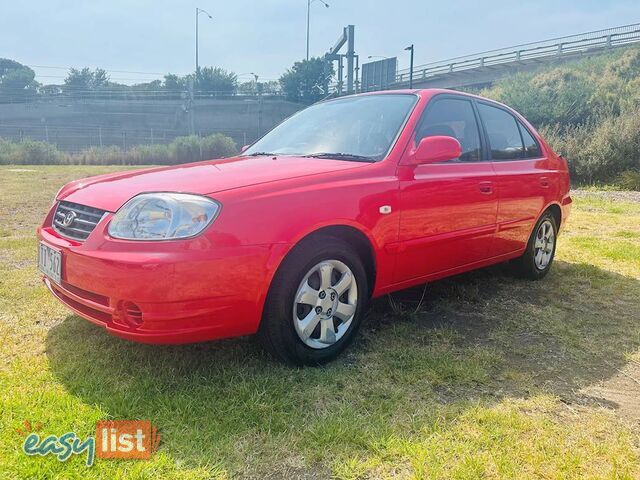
(163, 216)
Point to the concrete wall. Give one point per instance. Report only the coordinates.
(74, 125)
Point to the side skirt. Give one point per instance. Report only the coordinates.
(446, 273)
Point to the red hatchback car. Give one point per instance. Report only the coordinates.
(346, 200)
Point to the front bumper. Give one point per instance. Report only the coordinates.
(180, 292)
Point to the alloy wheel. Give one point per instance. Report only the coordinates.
(325, 304)
(544, 245)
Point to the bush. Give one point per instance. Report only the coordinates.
(187, 149)
(218, 146)
(598, 151)
(149, 154)
(559, 95)
(194, 148)
(180, 150)
(28, 152)
(97, 156)
(629, 180)
(588, 110)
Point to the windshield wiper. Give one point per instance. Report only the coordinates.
(262, 154)
(341, 156)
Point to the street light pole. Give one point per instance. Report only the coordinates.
(410, 48)
(309, 2)
(308, 16)
(198, 11)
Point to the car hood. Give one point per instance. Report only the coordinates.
(109, 192)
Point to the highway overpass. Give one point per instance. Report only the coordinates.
(481, 69)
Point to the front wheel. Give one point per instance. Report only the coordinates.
(316, 302)
(536, 261)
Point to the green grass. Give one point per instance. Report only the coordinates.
(488, 378)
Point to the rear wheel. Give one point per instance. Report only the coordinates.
(536, 262)
(315, 303)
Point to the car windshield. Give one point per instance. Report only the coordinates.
(360, 128)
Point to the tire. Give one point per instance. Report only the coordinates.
(537, 259)
(298, 283)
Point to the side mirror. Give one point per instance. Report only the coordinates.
(244, 148)
(435, 149)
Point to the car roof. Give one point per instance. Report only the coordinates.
(423, 92)
(429, 93)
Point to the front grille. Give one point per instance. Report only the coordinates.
(76, 221)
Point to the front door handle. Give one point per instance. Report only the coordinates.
(544, 182)
(486, 187)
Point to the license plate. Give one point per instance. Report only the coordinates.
(50, 262)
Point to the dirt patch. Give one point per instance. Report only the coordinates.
(622, 392)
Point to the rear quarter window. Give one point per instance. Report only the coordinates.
(531, 147)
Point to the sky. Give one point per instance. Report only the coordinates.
(153, 37)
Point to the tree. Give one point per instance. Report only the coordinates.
(100, 78)
(216, 80)
(253, 87)
(85, 80)
(51, 89)
(16, 80)
(271, 87)
(249, 87)
(174, 83)
(153, 86)
(307, 81)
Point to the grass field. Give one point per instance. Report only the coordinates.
(490, 377)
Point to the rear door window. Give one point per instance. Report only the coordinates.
(452, 117)
(505, 141)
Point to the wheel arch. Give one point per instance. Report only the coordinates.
(556, 211)
(362, 244)
(362, 241)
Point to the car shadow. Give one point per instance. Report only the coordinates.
(557, 335)
(484, 335)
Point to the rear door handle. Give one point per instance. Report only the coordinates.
(486, 187)
(544, 182)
